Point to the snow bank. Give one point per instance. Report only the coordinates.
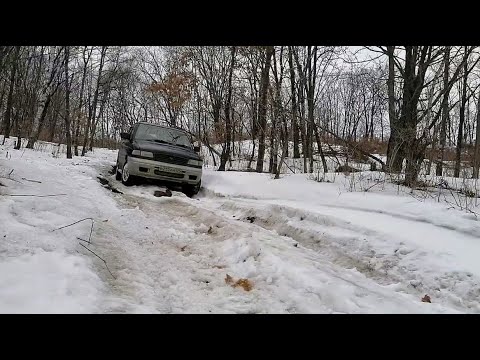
(391, 237)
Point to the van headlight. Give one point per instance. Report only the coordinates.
(195, 162)
(146, 154)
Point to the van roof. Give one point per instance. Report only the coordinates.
(163, 126)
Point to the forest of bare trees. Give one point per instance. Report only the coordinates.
(404, 109)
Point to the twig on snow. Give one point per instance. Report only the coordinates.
(34, 194)
(9, 178)
(459, 205)
(76, 222)
(91, 230)
(99, 258)
(379, 182)
(35, 181)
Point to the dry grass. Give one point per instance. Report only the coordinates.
(373, 146)
(449, 154)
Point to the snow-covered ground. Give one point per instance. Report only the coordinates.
(304, 246)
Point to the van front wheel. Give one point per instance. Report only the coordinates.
(191, 190)
(127, 179)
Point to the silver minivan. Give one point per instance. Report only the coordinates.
(162, 153)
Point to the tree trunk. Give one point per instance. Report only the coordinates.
(476, 159)
(303, 136)
(320, 150)
(410, 149)
(434, 141)
(93, 109)
(443, 125)
(295, 130)
(284, 148)
(39, 120)
(249, 166)
(19, 135)
(462, 120)
(67, 104)
(80, 105)
(8, 111)
(394, 153)
(54, 111)
(272, 144)
(47, 91)
(372, 114)
(228, 122)
(16, 120)
(301, 101)
(95, 121)
(310, 83)
(262, 118)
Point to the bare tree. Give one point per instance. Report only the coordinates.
(228, 124)
(262, 116)
(68, 83)
(92, 110)
(463, 103)
(476, 162)
(445, 112)
(86, 55)
(295, 130)
(49, 87)
(8, 110)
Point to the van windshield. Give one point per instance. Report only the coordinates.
(162, 135)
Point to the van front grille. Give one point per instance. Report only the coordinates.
(169, 174)
(170, 159)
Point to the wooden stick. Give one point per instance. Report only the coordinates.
(76, 222)
(34, 194)
(100, 259)
(35, 181)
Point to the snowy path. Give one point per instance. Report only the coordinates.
(172, 255)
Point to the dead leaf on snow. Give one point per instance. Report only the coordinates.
(228, 279)
(244, 283)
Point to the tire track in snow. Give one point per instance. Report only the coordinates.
(186, 217)
(472, 233)
(168, 279)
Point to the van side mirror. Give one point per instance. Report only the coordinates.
(196, 146)
(125, 135)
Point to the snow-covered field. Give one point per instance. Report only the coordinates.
(304, 246)
(241, 158)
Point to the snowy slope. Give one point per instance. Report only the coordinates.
(172, 255)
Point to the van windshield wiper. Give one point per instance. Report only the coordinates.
(183, 145)
(159, 141)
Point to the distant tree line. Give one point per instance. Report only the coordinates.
(421, 102)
